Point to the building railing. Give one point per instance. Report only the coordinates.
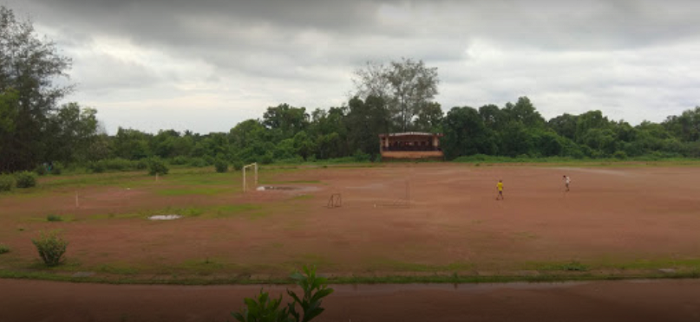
(411, 148)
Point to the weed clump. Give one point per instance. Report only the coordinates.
(6, 183)
(51, 247)
(25, 179)
(221, 165)
(53, 217)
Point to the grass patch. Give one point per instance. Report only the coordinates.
(206, 191)
(54, 218)
(234, 210)
(185, 212)
(394, 265)
(4, 249)
(571, 266)
(117, 268)
(293, 181)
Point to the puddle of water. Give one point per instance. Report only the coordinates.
(164, 217)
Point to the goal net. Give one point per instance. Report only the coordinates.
(250, 177)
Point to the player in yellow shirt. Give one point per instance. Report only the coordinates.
(499, 186)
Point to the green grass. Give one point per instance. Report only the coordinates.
(242, 279)
(249, 211)
(54, 218)
(4, 249)
(394, 265)
(483, 160)
(206, 191)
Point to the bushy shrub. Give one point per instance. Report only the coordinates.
(4, 249)
(57, 168)
(25, 179)
(198, 163)
(157, 166)
(116, 164)
(620, 155)
(267, 158)
(263, 308)
(221, 165)
(6, 183)
(141, 164)
(179, 160)
(96, 167)
(40, 170)
(360, 156)
(209, 159)
(237, 165)
(53, 217)
(51, 247)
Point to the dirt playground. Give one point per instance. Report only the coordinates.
(400, 219)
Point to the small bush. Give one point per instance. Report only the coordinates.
(51, 247)
(25, 179)
(620, 155)
(40, 170)
(237, 165)
(198, 163)
(4, 249)
(96, 167)
(141, 164)
(156, 166)
(267, 159)
(57, 169)
(360, 156)
(54, 218)
(221, 165)
(209, 160)
(179, 160)
(6, 183)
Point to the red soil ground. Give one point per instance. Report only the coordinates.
(634, 301)
(452, 222)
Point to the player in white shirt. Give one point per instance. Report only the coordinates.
(567, 181)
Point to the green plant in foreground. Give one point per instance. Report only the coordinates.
(54, 218)
(51, 247)
(4, 249)
(264, 309)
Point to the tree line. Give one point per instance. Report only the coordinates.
(396, 97)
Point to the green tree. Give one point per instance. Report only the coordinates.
(365, 121)
(564, 125)
(404, 86)
(466, 134)
(429, 118)
(74, 131)
(29, 66)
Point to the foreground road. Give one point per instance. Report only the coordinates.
(663, 300)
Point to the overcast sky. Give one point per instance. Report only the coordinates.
(207, 65)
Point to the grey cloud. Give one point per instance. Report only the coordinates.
(633, 59)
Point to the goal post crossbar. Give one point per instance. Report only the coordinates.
(255, 174)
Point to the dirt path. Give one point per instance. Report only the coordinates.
(661, 300)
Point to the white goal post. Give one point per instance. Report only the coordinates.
(255, 173)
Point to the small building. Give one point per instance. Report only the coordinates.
(411, 146)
